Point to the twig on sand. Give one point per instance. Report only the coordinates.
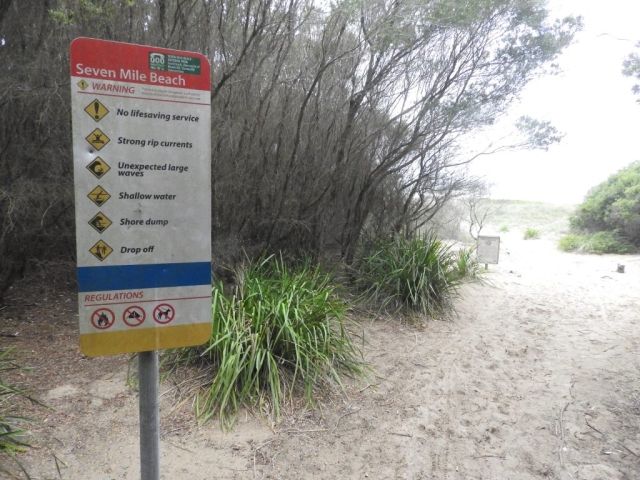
(368, 386)
(236, 469)
(594, 428)
(178, 446)
(416, 342)
(401, 434)
(562, 445)
(301, 432)
(254, 454)
(502, 456)
(341, 417)
(609, 436)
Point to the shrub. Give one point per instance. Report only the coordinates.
(570, 243)
(12, 434)
(420, 275)
(600, 242)
(614, 205)
(281, 328)
(531, 233)
(504, 229)
(467, 264)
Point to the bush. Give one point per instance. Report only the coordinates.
(421, 275)
(571, 242)
(612, 206)
(600, 242)
(281, 328)
(504, 229)
(12, 434)
(467, 264)
(531, 234)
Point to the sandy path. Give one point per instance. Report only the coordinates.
(537, 378)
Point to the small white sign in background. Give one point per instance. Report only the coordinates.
(488, 249)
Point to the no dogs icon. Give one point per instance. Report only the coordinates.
(163, 313)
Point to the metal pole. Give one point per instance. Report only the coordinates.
(149, 416)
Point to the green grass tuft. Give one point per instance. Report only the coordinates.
(281, 329)
(13, 436)
(421, 275)
(504, 229)
(467, 265)
(531, 234)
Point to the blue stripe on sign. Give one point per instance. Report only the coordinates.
(129, 277)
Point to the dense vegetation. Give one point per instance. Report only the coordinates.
(283, 329)
(421, 275)
(329, 121)
(280, 329)
(12, 432)
(608, 221)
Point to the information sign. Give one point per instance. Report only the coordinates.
(143, 205)
(488, 249)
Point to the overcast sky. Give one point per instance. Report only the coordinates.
(590, 102)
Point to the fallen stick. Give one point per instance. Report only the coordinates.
(613, 439)
(562, 445)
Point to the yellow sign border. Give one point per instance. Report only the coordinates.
(144, 340)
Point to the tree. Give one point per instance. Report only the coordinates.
(631, 68)
(479, 208)
(614, 205)
(327, 121)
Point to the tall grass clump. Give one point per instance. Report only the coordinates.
(13, 436)
(421, 275)
(467, 265)
(281, 329)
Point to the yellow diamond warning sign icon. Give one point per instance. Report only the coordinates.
(98, 167)
(98, 139)
(100, 222)
(96, 110)
(101, 250)
(99, 196)
(83, 85)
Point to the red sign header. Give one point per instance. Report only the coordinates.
(126, 62)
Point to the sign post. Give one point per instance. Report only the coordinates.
(488, 250)
(142, 169)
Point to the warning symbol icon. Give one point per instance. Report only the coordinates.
(98, 139)
(101, 250)
(83, 85)
(96, 110)
(99, 196)
(100, 222)
(98, 167)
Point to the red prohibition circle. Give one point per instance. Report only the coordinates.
(102, 318)
(134, 316)
(164, 313)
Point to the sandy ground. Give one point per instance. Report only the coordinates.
(538, 377)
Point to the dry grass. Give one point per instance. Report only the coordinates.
(517, 215)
